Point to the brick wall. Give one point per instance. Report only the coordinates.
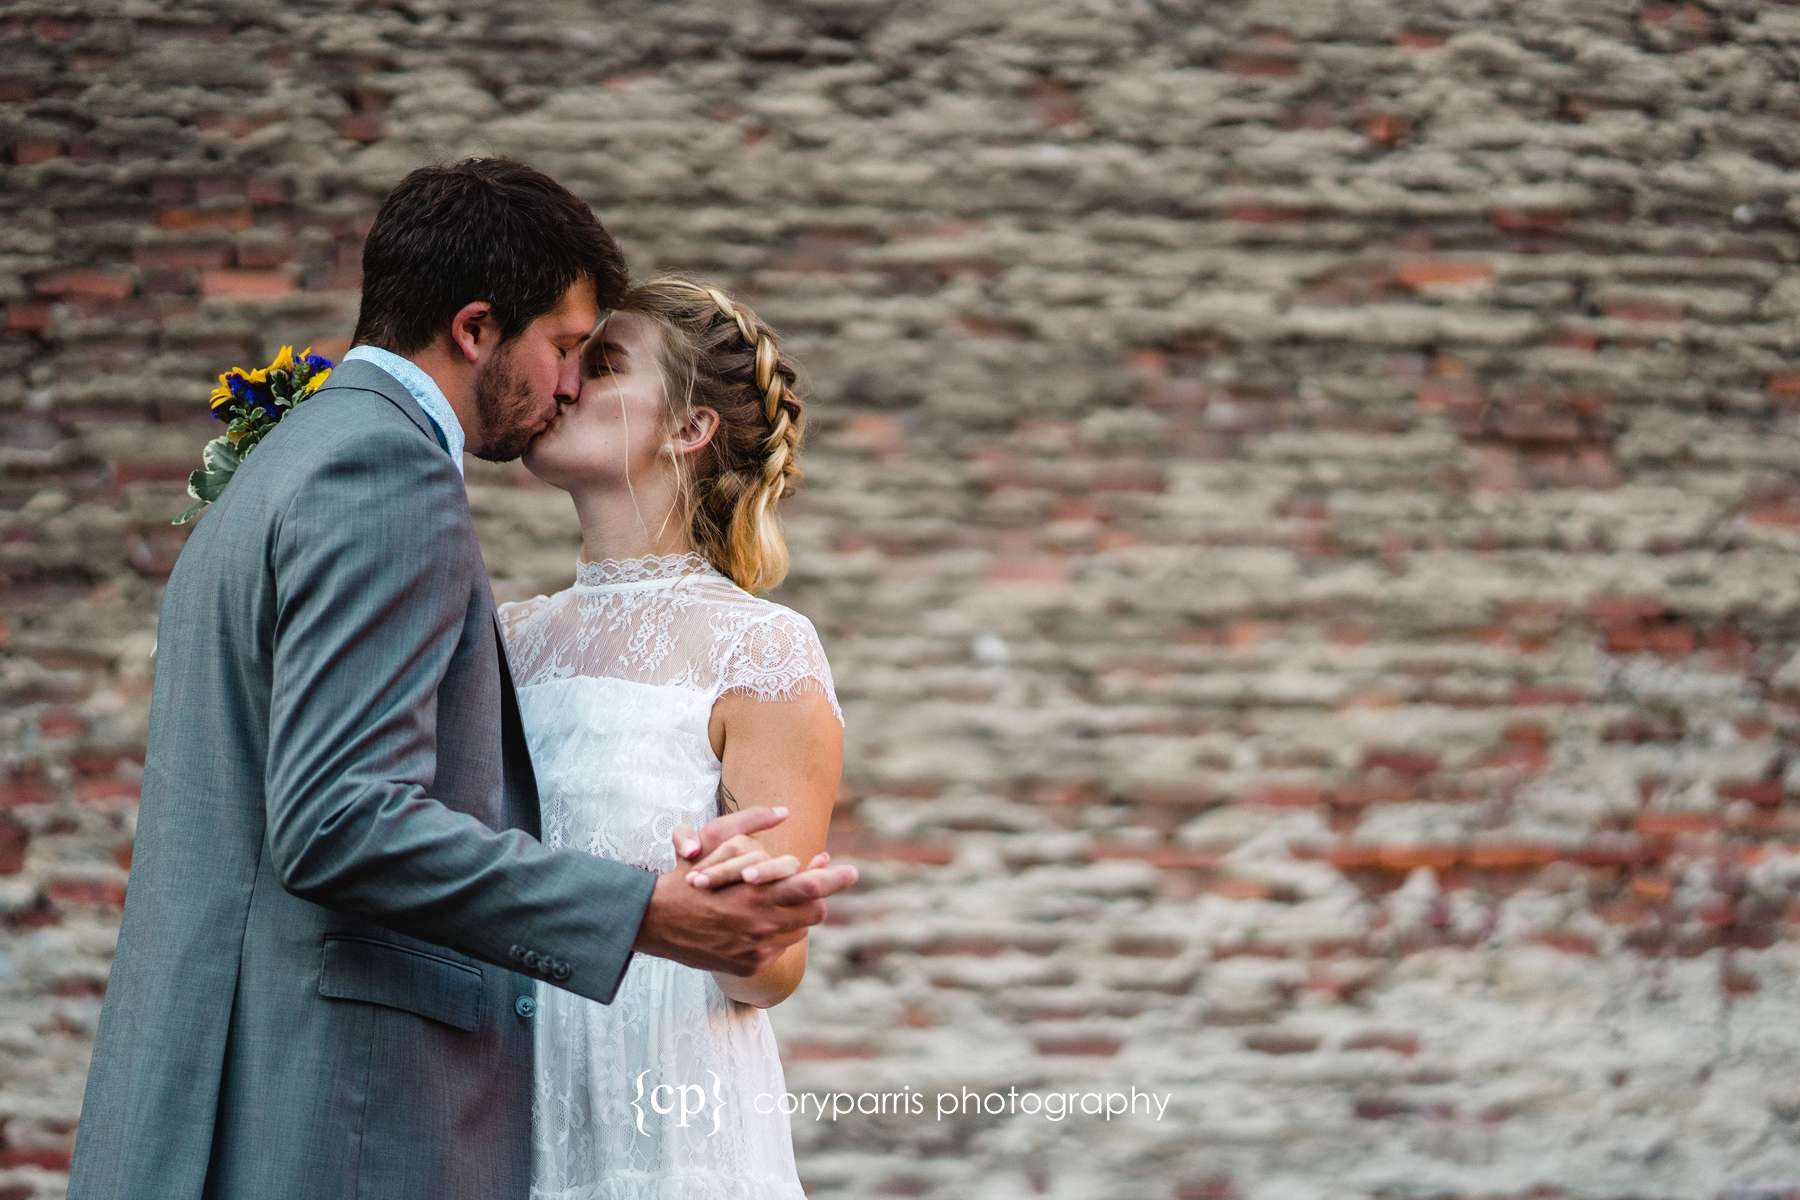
(1303, 508)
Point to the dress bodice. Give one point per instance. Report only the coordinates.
(617, 675)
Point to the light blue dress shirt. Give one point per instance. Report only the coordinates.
(422, 388)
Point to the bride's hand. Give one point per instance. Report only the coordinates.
(727, 853)
(752, 867)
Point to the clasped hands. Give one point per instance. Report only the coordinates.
(697, 916)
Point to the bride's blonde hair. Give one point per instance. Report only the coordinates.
(715, 353)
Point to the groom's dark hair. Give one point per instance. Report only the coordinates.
(488, 229)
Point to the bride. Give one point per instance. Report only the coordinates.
(655, 689)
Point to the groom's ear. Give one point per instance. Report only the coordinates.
(473, 332)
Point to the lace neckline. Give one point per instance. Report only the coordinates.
(647, 568)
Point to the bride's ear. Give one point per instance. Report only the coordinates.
(473, 333)
(693, 433)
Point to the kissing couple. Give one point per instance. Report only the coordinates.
(427, 898)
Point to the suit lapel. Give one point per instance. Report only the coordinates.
(515, 751)
(512, 737)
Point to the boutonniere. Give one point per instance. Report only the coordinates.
(250, 403)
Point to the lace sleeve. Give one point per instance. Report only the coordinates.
(514, 632)
(779, 658)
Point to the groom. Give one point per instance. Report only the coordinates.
(338, 908)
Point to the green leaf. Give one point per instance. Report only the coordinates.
(220, 455)
(221, 459)
(190, 514)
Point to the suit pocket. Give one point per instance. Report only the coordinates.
(376, 972)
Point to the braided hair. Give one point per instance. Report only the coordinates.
(716, 353)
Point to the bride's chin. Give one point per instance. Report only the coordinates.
(536, 461)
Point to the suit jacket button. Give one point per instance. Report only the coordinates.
(525, 1006)
(561, 970)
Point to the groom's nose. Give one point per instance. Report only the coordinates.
(568, 382)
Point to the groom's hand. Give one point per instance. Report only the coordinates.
(738, 930)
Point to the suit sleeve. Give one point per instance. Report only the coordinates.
(373, 565)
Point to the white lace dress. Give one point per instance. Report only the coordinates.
(670, 1092)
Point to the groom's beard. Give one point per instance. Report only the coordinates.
(503, 406)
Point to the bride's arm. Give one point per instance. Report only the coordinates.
(777, 752)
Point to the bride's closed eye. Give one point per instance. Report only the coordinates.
(601, 358)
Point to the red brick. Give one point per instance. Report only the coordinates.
(1688, 19)
(804, 1051)
(246, 284)
(13, 841)
(117, 793)
(1214, 1187)
(1164, 857)
(27, 318)
(36, 151)
(933, 854)
(105, 285)
(1400, 1043)
(60, 723)
(1236, 887)
(1145, 947)
(976, 325)
(184, 258)
(1264, 214)
(1766, 792)
(194, 218)
(1419, 39)
(52, 29)
(1043, 569)
(87, 893)
(45, 1158)
(1282, 1043)
(984, 947)
(1386, 129)
(362, 127)
(1409, 763)
(1662, 822)
(1438, 274)
(1056, 104)
(1645, 310)
(1090, 1047)
(1785, 384)
(1510, 854)
(26, 785)
(1277, 795)
(1260, 66)
(1529, 220)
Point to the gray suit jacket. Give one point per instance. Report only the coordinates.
(337, 900)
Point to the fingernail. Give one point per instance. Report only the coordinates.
(749, 874)
(699, 881)
(689, 848)
(781, 810)
(853, 874)
(824, 858)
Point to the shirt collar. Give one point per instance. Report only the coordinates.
(420, 387)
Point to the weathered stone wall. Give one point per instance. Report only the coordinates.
(1303, 508)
